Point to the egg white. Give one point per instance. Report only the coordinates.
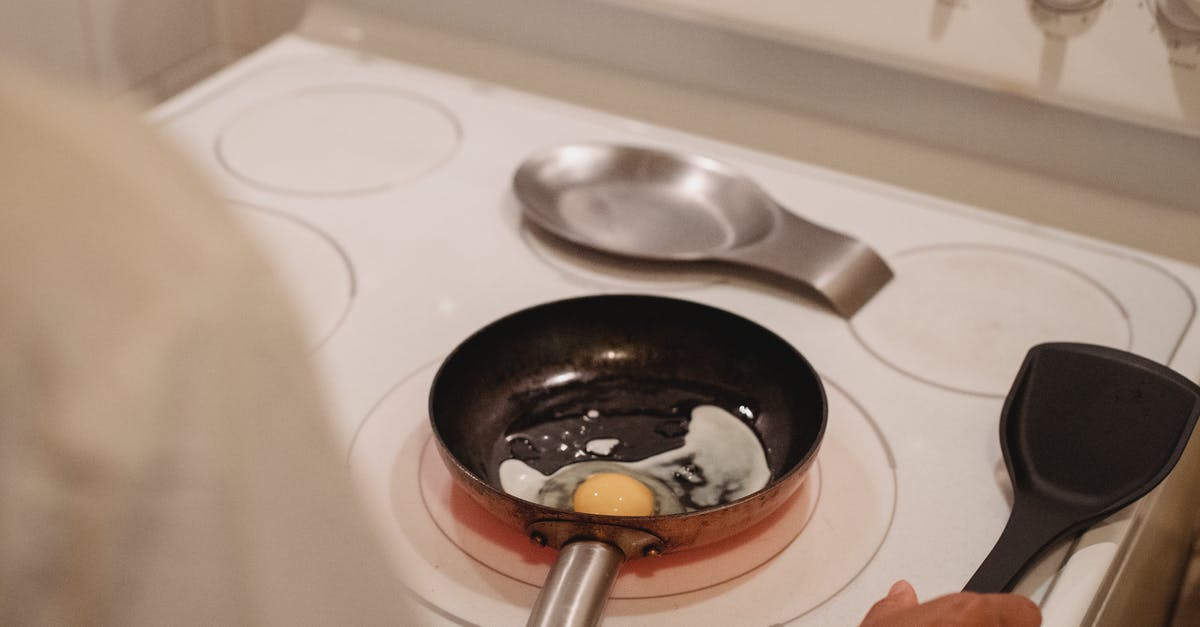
(721, 460)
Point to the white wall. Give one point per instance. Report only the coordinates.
(141, 49)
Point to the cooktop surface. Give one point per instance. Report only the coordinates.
(382, 194)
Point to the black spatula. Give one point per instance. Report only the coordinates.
(1086, 430)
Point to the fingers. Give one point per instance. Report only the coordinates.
(967, 608)
(900, 597)
(901, 607)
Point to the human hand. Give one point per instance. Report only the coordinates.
(964, 609)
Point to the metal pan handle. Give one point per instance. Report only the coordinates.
(578, 585)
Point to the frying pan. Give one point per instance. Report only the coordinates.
(1085, 431)
(639, 362)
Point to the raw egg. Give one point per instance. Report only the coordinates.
(559, 488)
(720, 461)
(614, 494)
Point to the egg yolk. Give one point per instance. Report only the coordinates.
(613, 494)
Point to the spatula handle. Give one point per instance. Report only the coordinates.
(1030, 531)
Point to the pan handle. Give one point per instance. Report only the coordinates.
(578, 585)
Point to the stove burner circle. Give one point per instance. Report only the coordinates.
(456, 563)
(599, 270)
(470, 527)
(962, 317)
(314, 269)
(338, 139)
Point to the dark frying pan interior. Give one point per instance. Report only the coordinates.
(1086, 430)
(641, 361)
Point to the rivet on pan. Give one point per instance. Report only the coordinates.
(538, 538)
(652, 551)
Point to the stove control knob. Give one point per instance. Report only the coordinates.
(1070, 6)
(1183, 14)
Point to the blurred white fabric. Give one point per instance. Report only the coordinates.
(164, 456)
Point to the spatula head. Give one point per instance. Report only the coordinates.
(1086, 430)
(1094, 427)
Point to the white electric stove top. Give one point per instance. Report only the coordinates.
(382, 193)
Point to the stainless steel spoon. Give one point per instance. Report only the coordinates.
(663, 206)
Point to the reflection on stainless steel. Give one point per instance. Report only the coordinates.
(658, 205)
(578, 586)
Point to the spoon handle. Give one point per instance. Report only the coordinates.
(1030, 531)
(842, 270)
